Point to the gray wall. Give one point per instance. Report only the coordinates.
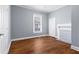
(75, 25)
(22, 22)
(62, 16)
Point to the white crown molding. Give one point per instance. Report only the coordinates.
(43, 8)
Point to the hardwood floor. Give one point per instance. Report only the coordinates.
(41, 45)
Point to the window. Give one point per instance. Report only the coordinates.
(37, 23)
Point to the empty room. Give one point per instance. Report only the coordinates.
(39, 29)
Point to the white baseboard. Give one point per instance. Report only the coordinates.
(29, 37)
(54, 36)
(74, 47)
(7, 50)
(9, 46)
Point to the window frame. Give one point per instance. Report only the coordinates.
(39, 16)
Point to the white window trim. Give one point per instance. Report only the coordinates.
(37, 15)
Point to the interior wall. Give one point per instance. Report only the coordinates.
(75, 25)
(22, 22)
(21, 17)
(62, 16)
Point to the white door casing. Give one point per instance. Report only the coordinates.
(5, 28)
(52, 27)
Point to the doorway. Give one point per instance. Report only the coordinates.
(4, 28)
(52, 27)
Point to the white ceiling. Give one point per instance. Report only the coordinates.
(43, 8)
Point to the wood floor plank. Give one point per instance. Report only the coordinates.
(41, 45)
